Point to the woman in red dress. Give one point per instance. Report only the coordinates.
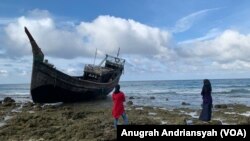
(118, 98)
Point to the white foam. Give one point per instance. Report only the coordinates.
(18, 109)
(31, 112)
(152, 114)
(247, 114)
(193, 114)
(7, 118)
(162, 108)
(156, 118)
(164, 122)
(139, 108)
(222, 122)
(182, 111)
(4, 120)
(128, 109)
(53, 104)
(19, 93)
(2, 124)
(230, 113)
(189, 122)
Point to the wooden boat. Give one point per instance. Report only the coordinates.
(50, 85)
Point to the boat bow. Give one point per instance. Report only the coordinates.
(37, 52)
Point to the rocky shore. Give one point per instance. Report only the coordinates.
(93, 120)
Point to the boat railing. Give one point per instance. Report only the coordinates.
(115, 60)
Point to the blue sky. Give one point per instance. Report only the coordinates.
(163, 39)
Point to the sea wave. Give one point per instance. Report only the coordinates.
(233, 91)
(164, 92)
(234, 86)
(151, 92)
(14, 93)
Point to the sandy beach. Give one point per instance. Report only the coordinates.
(93, 120)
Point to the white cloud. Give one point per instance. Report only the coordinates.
(227, 47)
(236, 65)
(53, 41)
(210, 35)
(149, 51)
(137, 63)
(4, 21)
(71, 71)
(186, 22)
(24, 73)
(227, 52)
(106, 33)
(3, 72)
(38, 14)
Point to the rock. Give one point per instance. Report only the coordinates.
(79, 115)
(152, 97)
(248, 121)
(244, 121)
(131, 97)
(67, 114)
(195, 121)
(199, 122)
(222, 106)
(184, 103)
(38, 107)
(8, 101)
(28, 104)
(129, 103)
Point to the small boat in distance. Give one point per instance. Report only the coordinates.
(50, 85)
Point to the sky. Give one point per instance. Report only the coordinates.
(160, 39)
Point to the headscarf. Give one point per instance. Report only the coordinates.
(207, 85)
(117, 89)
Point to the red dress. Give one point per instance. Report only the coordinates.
(118, 107)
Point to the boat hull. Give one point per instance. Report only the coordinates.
(50, 85)
(51, 94)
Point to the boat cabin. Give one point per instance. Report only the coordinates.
(106, 73)
(97, 73)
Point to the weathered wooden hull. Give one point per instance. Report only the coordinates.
(51, 94)
(50, 85)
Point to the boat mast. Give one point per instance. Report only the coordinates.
(118, 52)
(103, 60)
(95, 55)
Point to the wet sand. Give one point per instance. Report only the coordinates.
(93, 120)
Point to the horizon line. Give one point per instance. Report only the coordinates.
(148, 80)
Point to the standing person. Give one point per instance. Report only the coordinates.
(206, 112)
(118, 98)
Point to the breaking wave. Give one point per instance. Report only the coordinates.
(233, 91)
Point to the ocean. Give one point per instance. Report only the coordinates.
(168, 93)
